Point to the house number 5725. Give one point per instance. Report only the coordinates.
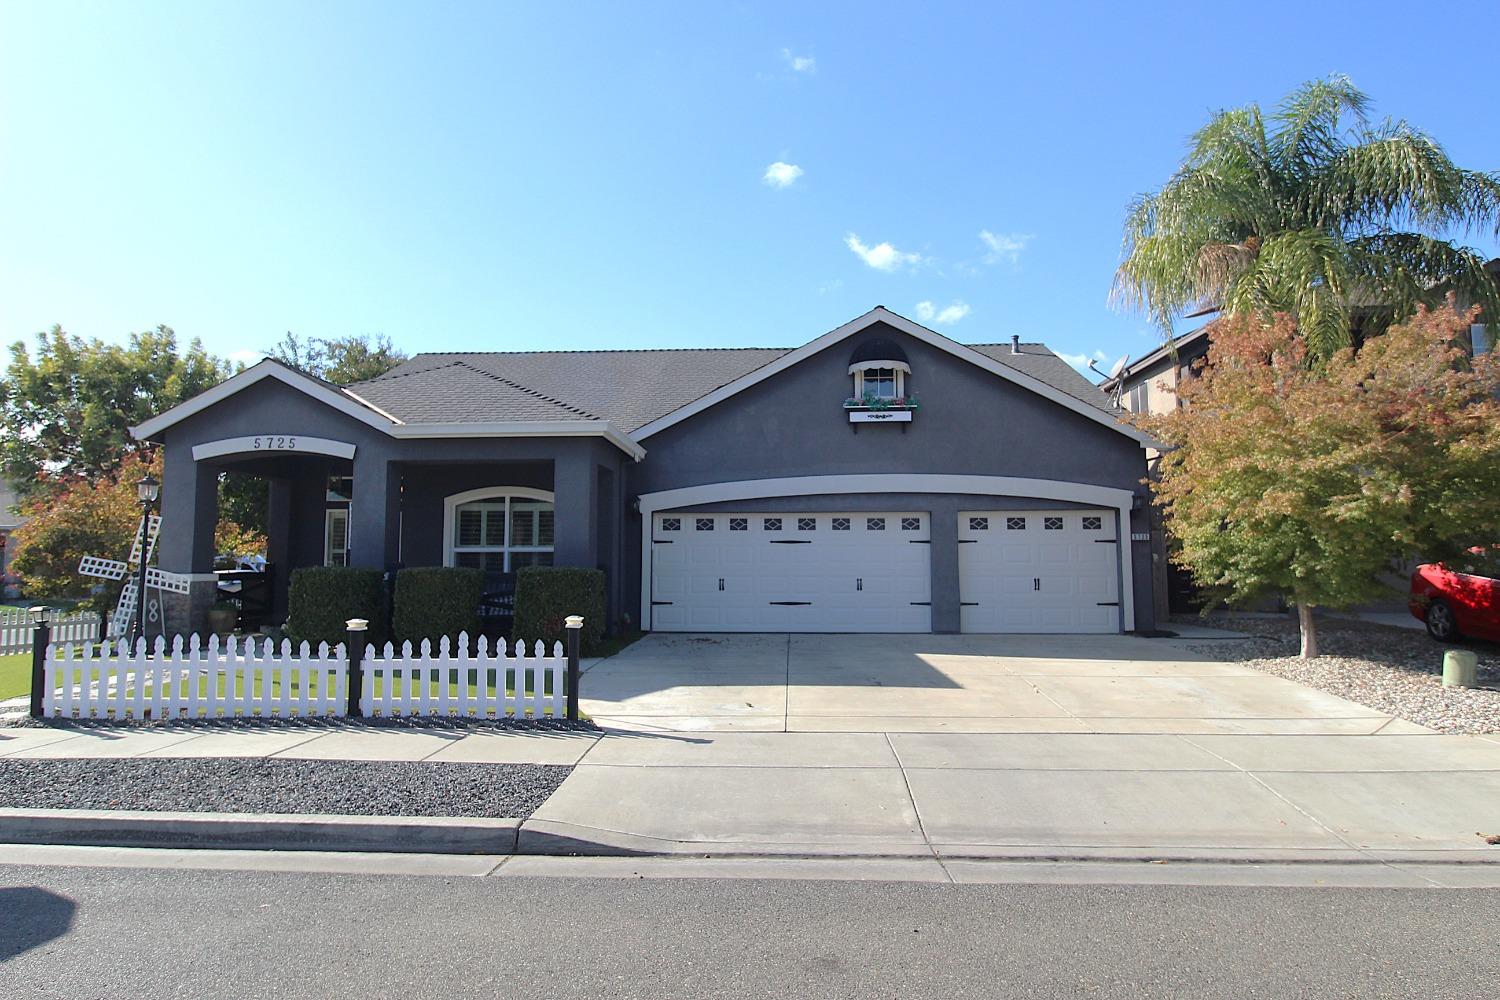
(275, 443)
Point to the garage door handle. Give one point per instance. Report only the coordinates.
(967, 541)
(661, 541)
(791, 541)
(1109, 604)
(968, 604)
(1105, 541)
(658, 604)
(920, 541)
(789, 604)
(859, 583)
(921, 604)
(1036, 583)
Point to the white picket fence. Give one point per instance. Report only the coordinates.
(16, 629)
(242, 678)
(237, 678)
(465, 679)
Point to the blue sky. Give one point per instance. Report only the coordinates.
(552, 176)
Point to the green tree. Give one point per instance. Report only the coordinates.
(67, 413)
(340, 360)
(1285, 478)
(1311, 211)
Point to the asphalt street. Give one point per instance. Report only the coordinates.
(107, 932)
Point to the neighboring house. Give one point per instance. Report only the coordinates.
(881, 477)
(10, 520)
(1149, 385)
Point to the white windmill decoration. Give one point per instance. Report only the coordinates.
(129, 571)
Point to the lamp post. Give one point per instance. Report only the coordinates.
(147, 490)
(41, 635)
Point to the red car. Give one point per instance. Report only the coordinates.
(1462, 599)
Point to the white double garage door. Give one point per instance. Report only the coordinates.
(1019, 571)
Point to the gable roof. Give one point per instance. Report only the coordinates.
(1091, 405)
(624, 396)
(432, 413)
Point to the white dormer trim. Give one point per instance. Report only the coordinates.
(880, 314)
(864, 366)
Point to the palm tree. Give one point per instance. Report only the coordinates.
(1297, 213)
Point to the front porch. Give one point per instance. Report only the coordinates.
(487, 504)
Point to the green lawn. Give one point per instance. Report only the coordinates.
(15, 675)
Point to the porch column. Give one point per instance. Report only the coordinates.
(574, 485)
(279, 541)
(189, 515)
(375, 512)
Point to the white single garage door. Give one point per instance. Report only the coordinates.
(791, 572)
(1038, 571)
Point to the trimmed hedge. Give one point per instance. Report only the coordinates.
(434, 601)
(320, 599)
(545, 595)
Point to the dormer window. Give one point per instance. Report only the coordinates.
(880, 372)
(881, 383)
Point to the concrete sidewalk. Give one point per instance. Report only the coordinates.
(1414, 797)
(1029, 795)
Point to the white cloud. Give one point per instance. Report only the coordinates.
(882, 256)
(799, 64)
(1081, 361)
(927, 312)
(1003, 246)
(782, 175)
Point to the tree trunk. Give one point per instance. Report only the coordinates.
(1309, 630)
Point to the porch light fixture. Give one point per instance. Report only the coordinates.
(148, 489)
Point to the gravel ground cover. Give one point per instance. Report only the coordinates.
(255, 785)
(1392, 670)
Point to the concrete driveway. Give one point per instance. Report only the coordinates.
(954, 684)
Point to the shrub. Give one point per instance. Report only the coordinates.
(434, 601)
(545, 595)
(321, 598)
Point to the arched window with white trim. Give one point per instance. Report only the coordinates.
(498, 529)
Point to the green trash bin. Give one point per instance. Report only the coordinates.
(1460, 668)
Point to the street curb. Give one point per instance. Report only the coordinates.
(259, 831)
(542, 838)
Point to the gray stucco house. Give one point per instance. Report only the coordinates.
(881, 477)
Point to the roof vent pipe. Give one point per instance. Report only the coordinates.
(1015, 343)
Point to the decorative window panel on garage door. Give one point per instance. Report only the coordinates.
(1064, 577)
(809, 572)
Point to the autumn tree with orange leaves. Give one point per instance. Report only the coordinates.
(1288, 476)
(76, 516)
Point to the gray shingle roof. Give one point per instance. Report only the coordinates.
(459, 393)
(1038, 361)
(628, 388)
